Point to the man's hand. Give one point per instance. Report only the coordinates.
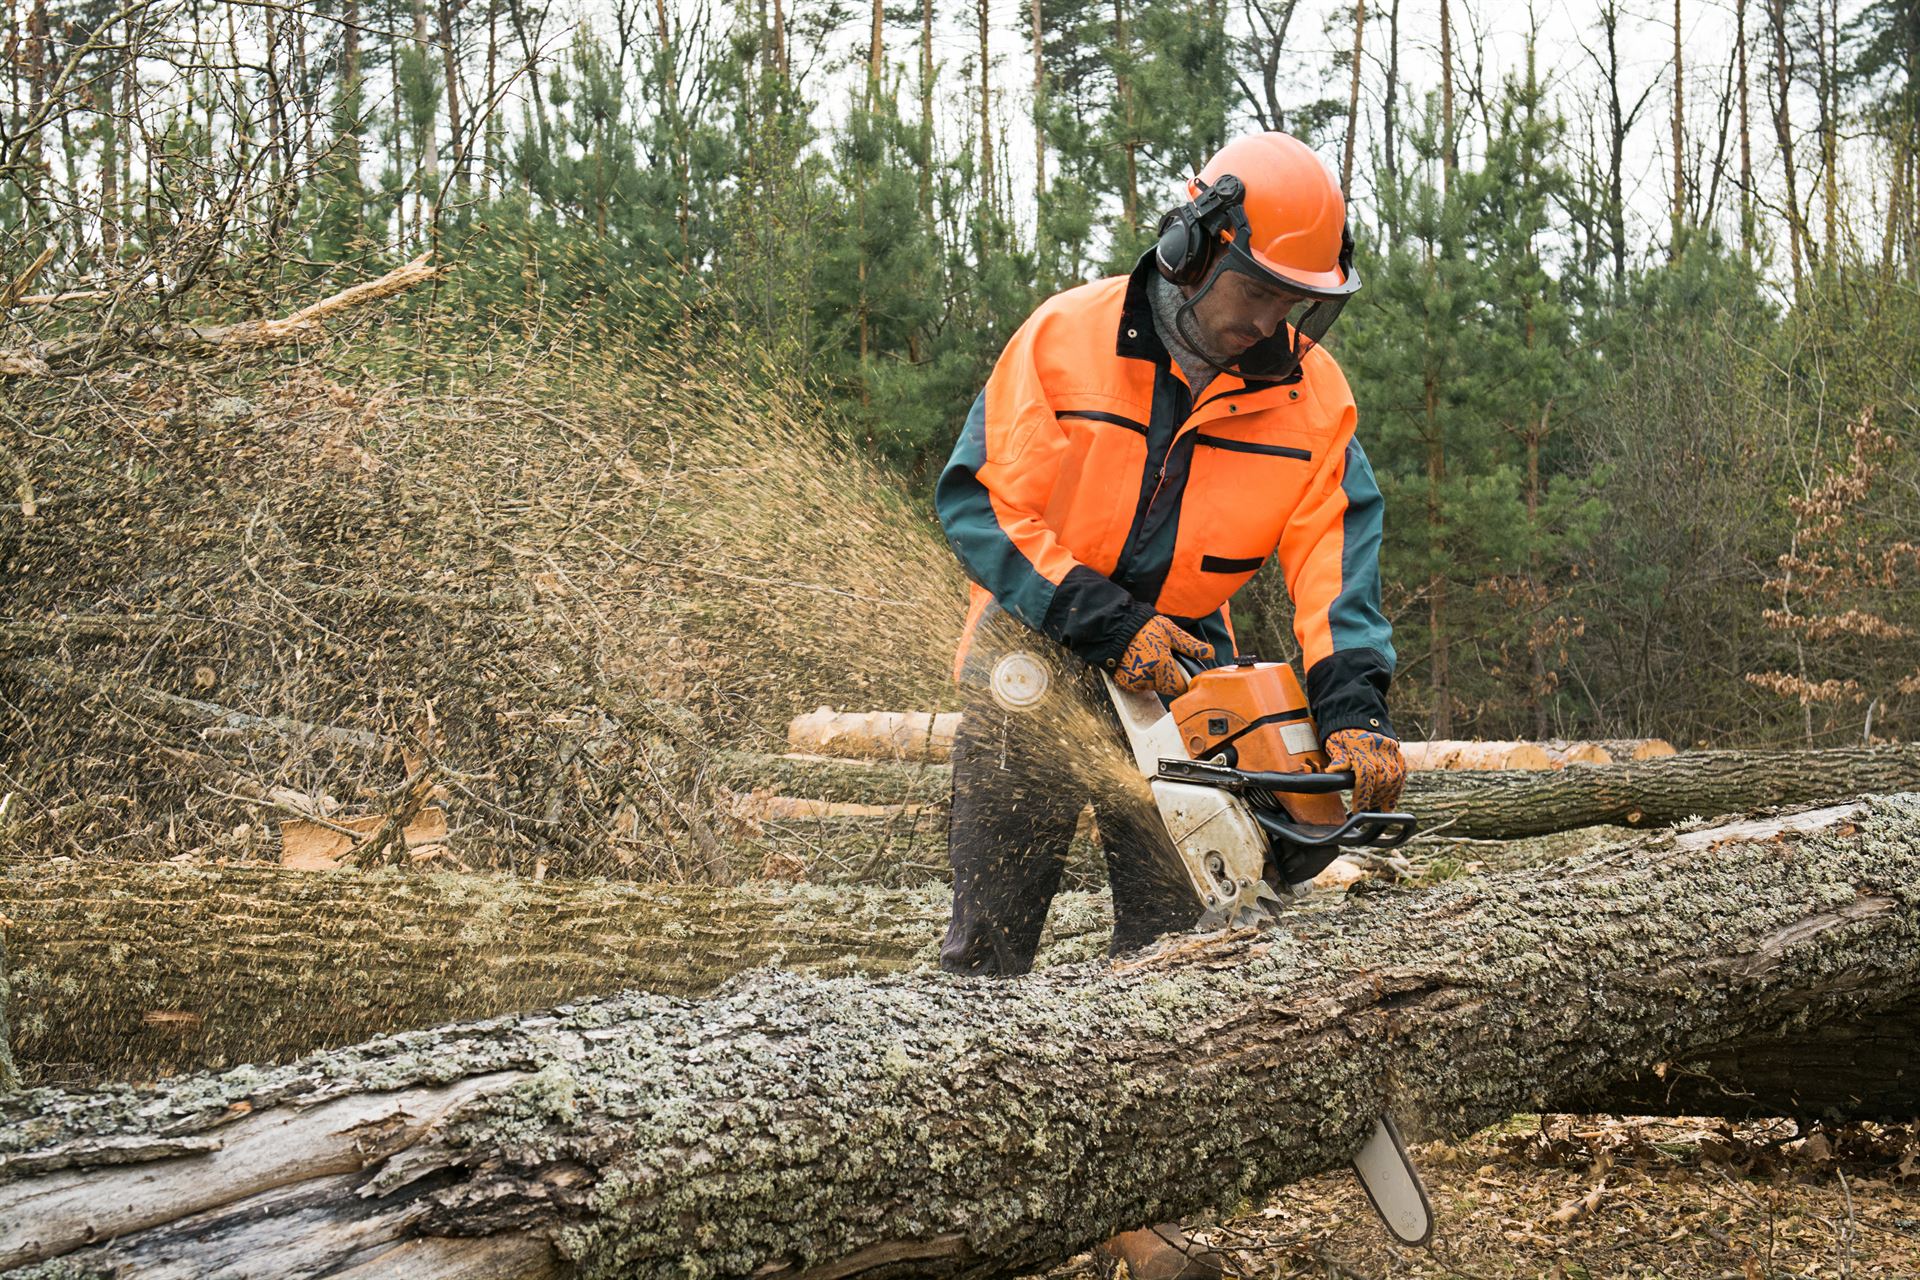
(1148, 666)
(1379, 771)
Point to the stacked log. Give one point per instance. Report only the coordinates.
(875, 735)
(1489, 805)
(923, 737)
(1445, 753)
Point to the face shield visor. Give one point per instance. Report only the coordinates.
(1250, 319)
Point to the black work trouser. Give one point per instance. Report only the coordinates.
(1019, 783)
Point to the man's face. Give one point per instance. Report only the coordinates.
(1239, 311)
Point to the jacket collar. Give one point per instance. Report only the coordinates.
(1137, 338)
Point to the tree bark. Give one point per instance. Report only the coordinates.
(981, 10)
(1797, 248)
(219, 965)
(1746, 137)
(1449, 153)
(802, 1126)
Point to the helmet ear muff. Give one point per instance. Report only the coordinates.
(1189, 234)
(1182, 252)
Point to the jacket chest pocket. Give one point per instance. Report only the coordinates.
(1245, 491)
(1093, 497)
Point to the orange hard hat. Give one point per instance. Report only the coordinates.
(1296, 218)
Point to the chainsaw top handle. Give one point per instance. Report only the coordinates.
(1240, 781)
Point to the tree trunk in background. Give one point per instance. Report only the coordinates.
(1679, 138)
(1123, 49)
(926, 108)
(1830, 73)
(1617, 127)
(1450, 146)
(848, 1127)
(676, 130)
(219, 966)
(1389, 106)
(10, 47)
(1746, 133)
(982, 8)
(1783, 134)
(112, 129)
(37, 71)
(1039, 103)
(428, 141)
(491, 139)
(516, 10)
(450, 66)
(1353, 98)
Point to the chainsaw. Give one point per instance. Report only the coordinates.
(1236, 770)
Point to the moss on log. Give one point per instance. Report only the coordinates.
(797, 1125)
(134, 970)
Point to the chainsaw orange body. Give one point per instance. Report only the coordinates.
(1253, 715)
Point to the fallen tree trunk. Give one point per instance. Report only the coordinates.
(801, 1126)
(214, 966)
(1489, 805)
(1854, 1068)
(875, 735)
(1655, 792)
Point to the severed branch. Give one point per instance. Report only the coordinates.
(41, 359)
(12, 293)
(210, 718)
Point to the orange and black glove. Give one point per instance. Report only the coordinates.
(1148, 666)
(1379, 771)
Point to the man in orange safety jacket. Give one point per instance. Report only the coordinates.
(1143, 445)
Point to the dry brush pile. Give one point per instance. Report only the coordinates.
(535, 589)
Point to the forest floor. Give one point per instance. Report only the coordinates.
(1608, 1198)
